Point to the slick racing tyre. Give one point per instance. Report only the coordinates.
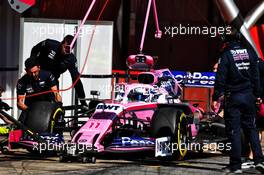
(182, 130)
(41, 116)
(172, 122)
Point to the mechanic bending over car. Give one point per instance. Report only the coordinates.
(55, 57)
(33, 82)
(237, 82)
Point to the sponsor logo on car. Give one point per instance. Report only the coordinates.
(109, 108)
(133, 142)
(199, 79)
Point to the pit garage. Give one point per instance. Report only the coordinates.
(132, 82)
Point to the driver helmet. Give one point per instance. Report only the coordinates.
(138, 95)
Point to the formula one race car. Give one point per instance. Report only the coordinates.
(145, 116)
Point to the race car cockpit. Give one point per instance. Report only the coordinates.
(138, 95)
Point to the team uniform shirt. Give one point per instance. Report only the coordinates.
(50, 58)
(238, 71)
(29, 86)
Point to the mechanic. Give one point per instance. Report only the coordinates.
(237, 82)
(55, 57)
(34, 82)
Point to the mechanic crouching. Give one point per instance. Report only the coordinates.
(237, 82)
(35, 85)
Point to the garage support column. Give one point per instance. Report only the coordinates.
(126, 8)
(9, 49)
(231, 15)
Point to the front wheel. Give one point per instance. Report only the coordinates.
(181, 137)
(172, 122)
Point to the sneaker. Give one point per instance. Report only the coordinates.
(228, 170)
(247, 164)
(260, 167)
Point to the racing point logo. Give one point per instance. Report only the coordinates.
(21, 5)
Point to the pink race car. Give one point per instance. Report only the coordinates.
(143, 116)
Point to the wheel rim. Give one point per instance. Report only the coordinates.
(54, 118)
(182, 136)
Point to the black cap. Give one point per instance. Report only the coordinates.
(31, 62)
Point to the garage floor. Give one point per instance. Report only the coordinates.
(21, 162)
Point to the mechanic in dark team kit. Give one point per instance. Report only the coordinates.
(237, 82)
(55, 57)
(34, 82)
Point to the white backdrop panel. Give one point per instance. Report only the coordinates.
(99, 60)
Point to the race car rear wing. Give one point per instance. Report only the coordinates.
(187, 79)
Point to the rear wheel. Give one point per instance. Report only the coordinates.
(57, 122)
(42, 116)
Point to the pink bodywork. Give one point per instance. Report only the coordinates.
(95, 130)
(101, 127)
